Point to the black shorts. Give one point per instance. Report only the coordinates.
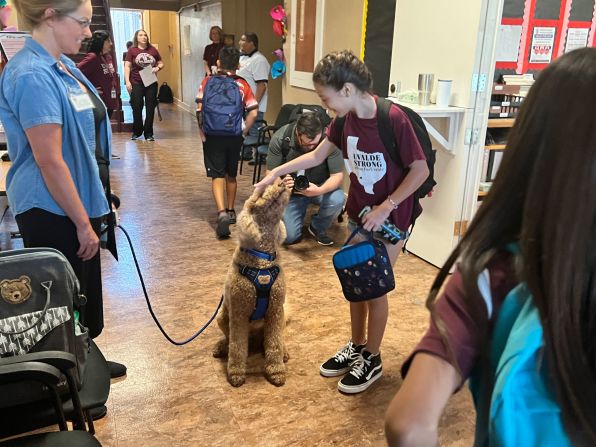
(221, 155)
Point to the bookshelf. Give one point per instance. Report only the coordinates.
(504, 106)
(494, 123)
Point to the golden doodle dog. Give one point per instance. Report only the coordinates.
(246, 311)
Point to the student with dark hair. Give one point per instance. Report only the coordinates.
(536, 228)
(221, 145)
(343, 83)
(98, 66)
(254, 68)
(128, 45)
(141, 55)
(324, 180)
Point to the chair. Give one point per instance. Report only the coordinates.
(261, 143)
(265, 132)
(250, 142)
(76, 405)
(47, 369)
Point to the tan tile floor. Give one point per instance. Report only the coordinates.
(179, 396)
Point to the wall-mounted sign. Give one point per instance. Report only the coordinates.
(543, 39)
(576, 38)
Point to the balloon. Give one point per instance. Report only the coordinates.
(278, 68)
(278, 13)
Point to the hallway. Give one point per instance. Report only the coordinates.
(179, 396)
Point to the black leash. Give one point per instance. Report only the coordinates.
(170, 339)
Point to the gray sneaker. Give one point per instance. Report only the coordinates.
(222, 230)
(320, 237)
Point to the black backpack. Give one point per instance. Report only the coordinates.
(296, 112)
(299, 109)
(165, 94)
(388, 138)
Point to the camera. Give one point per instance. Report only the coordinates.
(300, 182)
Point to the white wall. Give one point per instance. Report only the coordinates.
(437, 37)
(192, 63)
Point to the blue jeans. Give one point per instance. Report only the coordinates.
(330, 205)
(253, 135)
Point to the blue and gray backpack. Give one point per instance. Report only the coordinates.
(522, 410)
(222, 107)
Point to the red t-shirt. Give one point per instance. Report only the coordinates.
(467, 333)
(139, 59)
(248, 98)
(373, 175)
(99, 69)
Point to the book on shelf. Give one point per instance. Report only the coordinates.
(525, 79)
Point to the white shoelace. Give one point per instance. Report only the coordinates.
(358, 366)
(345, 354)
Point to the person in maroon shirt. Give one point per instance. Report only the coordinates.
(544, 200)
(343, 83)
(211, 52)
(98, 66)
(141, 55)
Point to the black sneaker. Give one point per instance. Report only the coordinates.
(365, 371)
(232, 216)
(321, 238)
(135, 137)
(222, 230)
(341, 362)
(151, 138)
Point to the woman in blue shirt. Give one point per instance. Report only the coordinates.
(54, 121)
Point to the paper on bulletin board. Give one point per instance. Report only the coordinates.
(11, 43)
(543, 39)
(576, 38)
(508, 40)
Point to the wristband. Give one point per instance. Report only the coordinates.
(394, 205)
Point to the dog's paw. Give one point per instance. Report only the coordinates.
(236, 379)
(221, 349)
(276, 374)
(276, 378)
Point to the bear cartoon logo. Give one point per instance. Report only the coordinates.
(16, 291)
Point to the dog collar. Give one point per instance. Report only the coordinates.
(259, 254)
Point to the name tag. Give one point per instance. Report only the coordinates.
(81, 101)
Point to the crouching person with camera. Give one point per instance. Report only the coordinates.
(320, 185)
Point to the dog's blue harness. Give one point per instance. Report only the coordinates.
(262, 279)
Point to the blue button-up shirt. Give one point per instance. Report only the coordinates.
(35, 91)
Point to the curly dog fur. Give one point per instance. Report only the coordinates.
(259, 227)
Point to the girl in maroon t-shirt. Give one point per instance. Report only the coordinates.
(543, 198)
(141, 55)
(97, 65)
(343, 83)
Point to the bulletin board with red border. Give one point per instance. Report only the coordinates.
(546, 27)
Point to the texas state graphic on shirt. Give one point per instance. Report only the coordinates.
(369, 167)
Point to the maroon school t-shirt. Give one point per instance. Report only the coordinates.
(373, 175)
(467, 333)
(140, 59)
(99, 69)
(211, 53)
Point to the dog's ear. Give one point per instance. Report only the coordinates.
(281, 232)
(250, 202)
(248, 231)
